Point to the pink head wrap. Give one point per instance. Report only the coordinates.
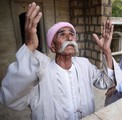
(52, 31)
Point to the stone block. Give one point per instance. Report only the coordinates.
(110, 112)
(108, 10)
(119, 107)
(104, 1)
(80, 29)
(80, 20)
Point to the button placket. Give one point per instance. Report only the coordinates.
(73, 95)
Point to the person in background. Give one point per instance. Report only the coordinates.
(114, 93)
(58, 89)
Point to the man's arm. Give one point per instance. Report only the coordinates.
(105, 42)
(19, 80)
(22, 75)
(33, 16)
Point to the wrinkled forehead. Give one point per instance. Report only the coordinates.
(65, 30)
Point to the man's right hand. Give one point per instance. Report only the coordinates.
(110, 91)
(33, 16)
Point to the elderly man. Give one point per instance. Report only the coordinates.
(59, 89)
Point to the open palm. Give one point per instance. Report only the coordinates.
(105, 41)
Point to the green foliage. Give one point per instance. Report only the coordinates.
(117, 8)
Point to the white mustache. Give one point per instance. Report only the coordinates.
(66, 43)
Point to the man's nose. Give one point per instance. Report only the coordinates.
(69, 38)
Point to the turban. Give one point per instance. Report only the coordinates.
(52, 31)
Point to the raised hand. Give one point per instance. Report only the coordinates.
(33, 16)
(110, 91)
(105, 41)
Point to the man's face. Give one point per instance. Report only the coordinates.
(64, 41)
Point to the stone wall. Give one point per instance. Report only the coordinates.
(7, 39)
(87, 17)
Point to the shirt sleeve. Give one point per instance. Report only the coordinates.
(120, 63)
(21, 78)
(103, 78)
(110, 73)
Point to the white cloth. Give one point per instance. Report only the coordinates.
(36, 81)
(69, 78)
(120, 63)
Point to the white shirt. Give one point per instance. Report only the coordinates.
(69, 77)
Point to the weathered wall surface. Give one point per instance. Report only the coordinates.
(111, 112)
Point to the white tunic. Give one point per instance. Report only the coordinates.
(51, 92)
(69, 78)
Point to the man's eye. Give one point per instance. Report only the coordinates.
(72, 34)
(61, 34)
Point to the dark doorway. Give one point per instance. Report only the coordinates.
(41, 46)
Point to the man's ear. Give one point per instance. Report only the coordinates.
(52, 47)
